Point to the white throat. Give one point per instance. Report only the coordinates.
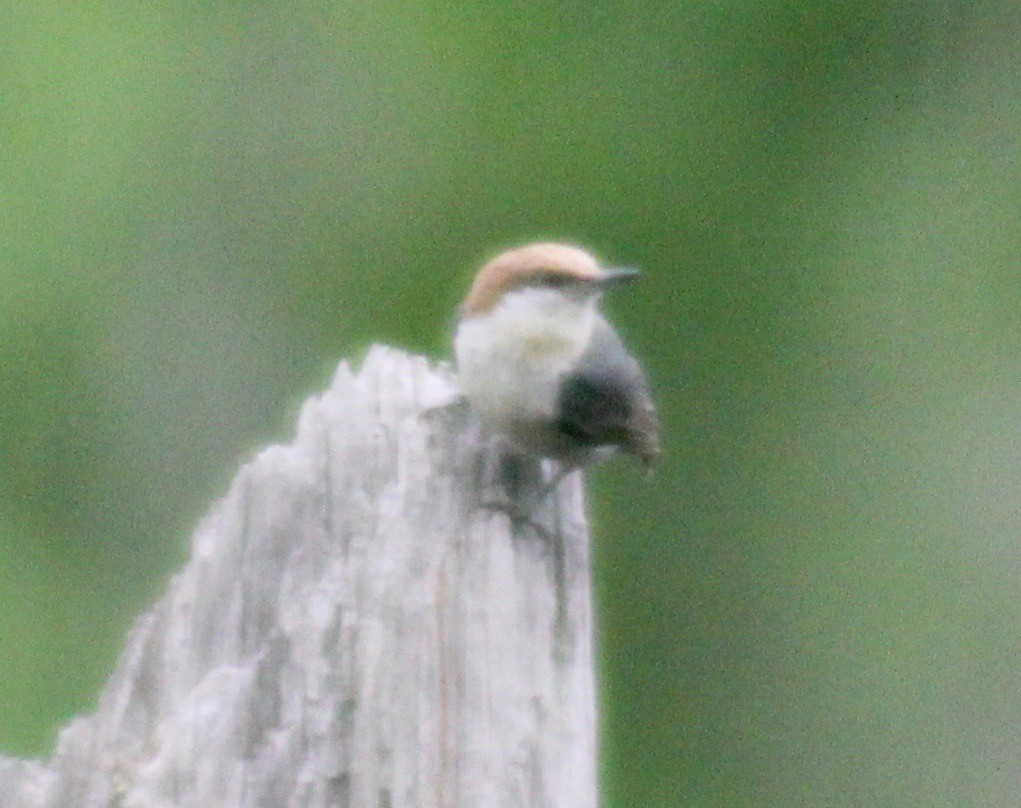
(510, 359)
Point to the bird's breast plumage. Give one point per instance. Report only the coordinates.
(510, 360)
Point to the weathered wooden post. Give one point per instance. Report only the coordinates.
(352, 631)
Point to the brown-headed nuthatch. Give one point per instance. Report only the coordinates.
(543, 368)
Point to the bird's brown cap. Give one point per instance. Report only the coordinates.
(522, 265)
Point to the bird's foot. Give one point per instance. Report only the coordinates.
(520, 516)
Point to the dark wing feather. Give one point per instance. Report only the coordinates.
(605, 401)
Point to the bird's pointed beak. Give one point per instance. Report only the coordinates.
(615, 276)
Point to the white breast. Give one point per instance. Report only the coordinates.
(511, 359)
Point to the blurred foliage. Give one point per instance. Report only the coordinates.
(815, 601)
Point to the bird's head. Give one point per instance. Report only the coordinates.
(542, 273)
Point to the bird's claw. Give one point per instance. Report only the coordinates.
(518, 515)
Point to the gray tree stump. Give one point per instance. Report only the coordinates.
(353, 630)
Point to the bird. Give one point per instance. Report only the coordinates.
(543, 368)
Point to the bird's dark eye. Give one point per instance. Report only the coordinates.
(551, 280)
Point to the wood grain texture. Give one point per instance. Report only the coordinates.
(352, 630)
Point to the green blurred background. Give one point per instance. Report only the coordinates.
(815, 601)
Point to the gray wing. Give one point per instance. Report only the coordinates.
(606, 401)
